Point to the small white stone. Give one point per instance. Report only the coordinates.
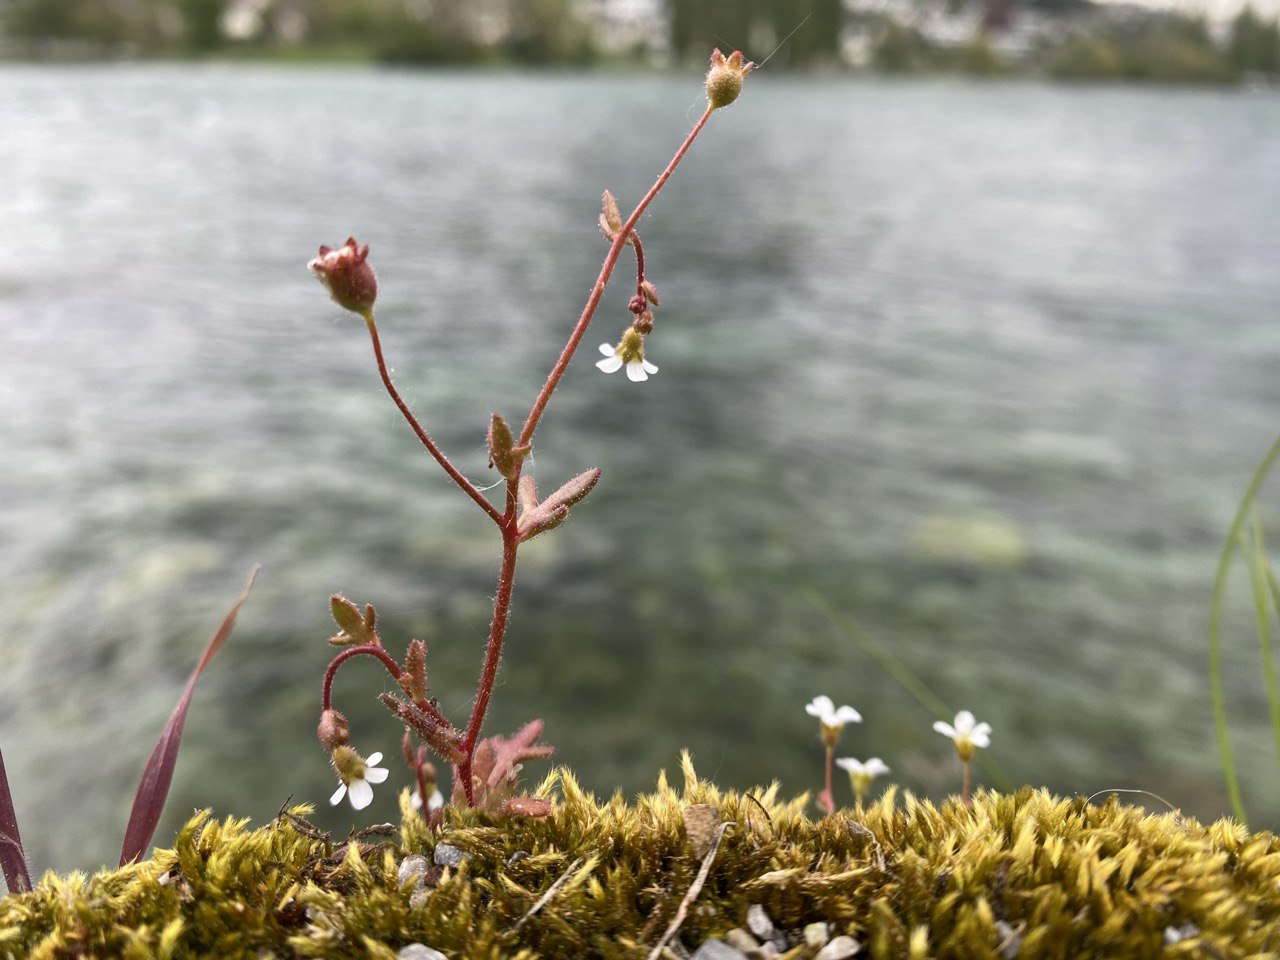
(419, 951)
(759, 922)
(714, 949)
(412, 867)
(840, 948)
(816, 934)
(447, 855)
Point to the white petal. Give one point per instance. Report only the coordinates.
(964, 721)
(820, 707)
(415, 800)
(635, 371)
(338, 795)
(609, 365)
(875, 766)
(847, 715)
(981, 735)
(649, 367)
(361, 794)
(852, 765)
(436, 801)
(946, 729)
(608, 350)
(376, 774)
(374, 760)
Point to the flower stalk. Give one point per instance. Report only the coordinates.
(352, 284)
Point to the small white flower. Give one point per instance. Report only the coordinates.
(827, 714)
(871, 769)
(966, 733)
(435, 803)
(359, 789)
(629, 351)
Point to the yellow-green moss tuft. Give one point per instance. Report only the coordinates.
(1024, 874)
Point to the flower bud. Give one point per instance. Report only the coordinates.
(333, 730)
(346, 274)
(724, 79)
(643, 323)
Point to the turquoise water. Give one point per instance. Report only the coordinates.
(986, 366)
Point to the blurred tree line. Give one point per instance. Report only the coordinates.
(1081, 40)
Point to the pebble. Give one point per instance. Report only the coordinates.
(816, 934)
(1174, 934)
(759, 922)
(739, 939)
(447, 855)
(714, 949)
(419, 951)
(840, 948)
(413, 867)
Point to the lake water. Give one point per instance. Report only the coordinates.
(984, 366)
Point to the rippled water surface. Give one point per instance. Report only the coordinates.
(983, 367)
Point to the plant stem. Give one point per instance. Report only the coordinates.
(507, 520)
(454, 474)
(393, 668)
(597, 291)
(493, 649)
(964, 784)
(830, 804)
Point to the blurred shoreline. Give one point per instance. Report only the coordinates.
(1076, 40)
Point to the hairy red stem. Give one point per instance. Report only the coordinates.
(454, 474)
(493, 650)
(597, 291)
(507, 521)
(393, 668)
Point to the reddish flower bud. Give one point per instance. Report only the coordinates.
(333, 730)
(347, 275)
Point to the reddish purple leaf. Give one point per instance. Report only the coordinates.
(13, 861)
(157, 776)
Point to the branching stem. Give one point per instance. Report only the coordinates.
(454, 474)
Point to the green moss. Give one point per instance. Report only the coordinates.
(1042, 875)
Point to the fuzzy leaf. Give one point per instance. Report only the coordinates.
(528, 493)
(610, 219)
(503, 453)
(157, 775)
(510, 753)
(540, 521)
(348, 617)
(525, 806)
(415, 668)
(447, 743)
(13, 859)
(573, 491)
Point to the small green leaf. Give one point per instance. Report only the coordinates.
(347, 616)
(503, 453)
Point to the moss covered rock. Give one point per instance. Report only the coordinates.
(1012, 876)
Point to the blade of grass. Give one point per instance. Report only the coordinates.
(902, 673)
(1256, 557)
(1216, 597)
(13, 859)
(157, 775)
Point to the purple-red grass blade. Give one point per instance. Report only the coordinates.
(153, 789)
(13, 861)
